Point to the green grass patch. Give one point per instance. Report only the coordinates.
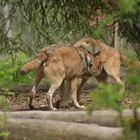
(9, 71)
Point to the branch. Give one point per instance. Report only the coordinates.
(50, 130)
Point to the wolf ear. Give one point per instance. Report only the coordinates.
(97, 50)
(88, 48)
(86, 36)
(92, 50)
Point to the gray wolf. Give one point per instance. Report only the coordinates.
(65, 63)
(111, 57)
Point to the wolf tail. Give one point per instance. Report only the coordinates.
(38, 61)
(123, 58)
(35, 63)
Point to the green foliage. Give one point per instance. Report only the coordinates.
(127, 6)
(35, 23)
(131, 54)
(3, 118)
(9, 71)
(129, 20)
(4, 134)
(109, 96)
(3, 103)
(101, 30)
(133, 82)
(106, 96)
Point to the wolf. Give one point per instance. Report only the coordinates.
(63, 63)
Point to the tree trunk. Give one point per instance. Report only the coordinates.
(116, 35)
(103, 117)
(138, 51)
(8, 29)
(32, 129)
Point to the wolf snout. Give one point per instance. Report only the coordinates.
(22, 72)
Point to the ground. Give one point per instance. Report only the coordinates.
(20, 99)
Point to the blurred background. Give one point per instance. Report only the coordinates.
(26, 26)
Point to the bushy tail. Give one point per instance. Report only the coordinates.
(35, 63)
(123, 58)
(136, 65)
(39, 59)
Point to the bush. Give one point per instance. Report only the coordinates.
(3, 118)
(9, 71)
(131, 54)
(109, 96)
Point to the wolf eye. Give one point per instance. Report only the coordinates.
(89, 52)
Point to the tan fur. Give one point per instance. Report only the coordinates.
(65, 63)
(135, 65)
(36, 65)
(42, 55)
(110, 56)
(106, 63)
(124, 59)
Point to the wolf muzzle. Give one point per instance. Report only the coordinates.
(22, 72)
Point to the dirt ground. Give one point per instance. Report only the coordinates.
(19, 100)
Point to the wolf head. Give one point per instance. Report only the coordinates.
(89, 44)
